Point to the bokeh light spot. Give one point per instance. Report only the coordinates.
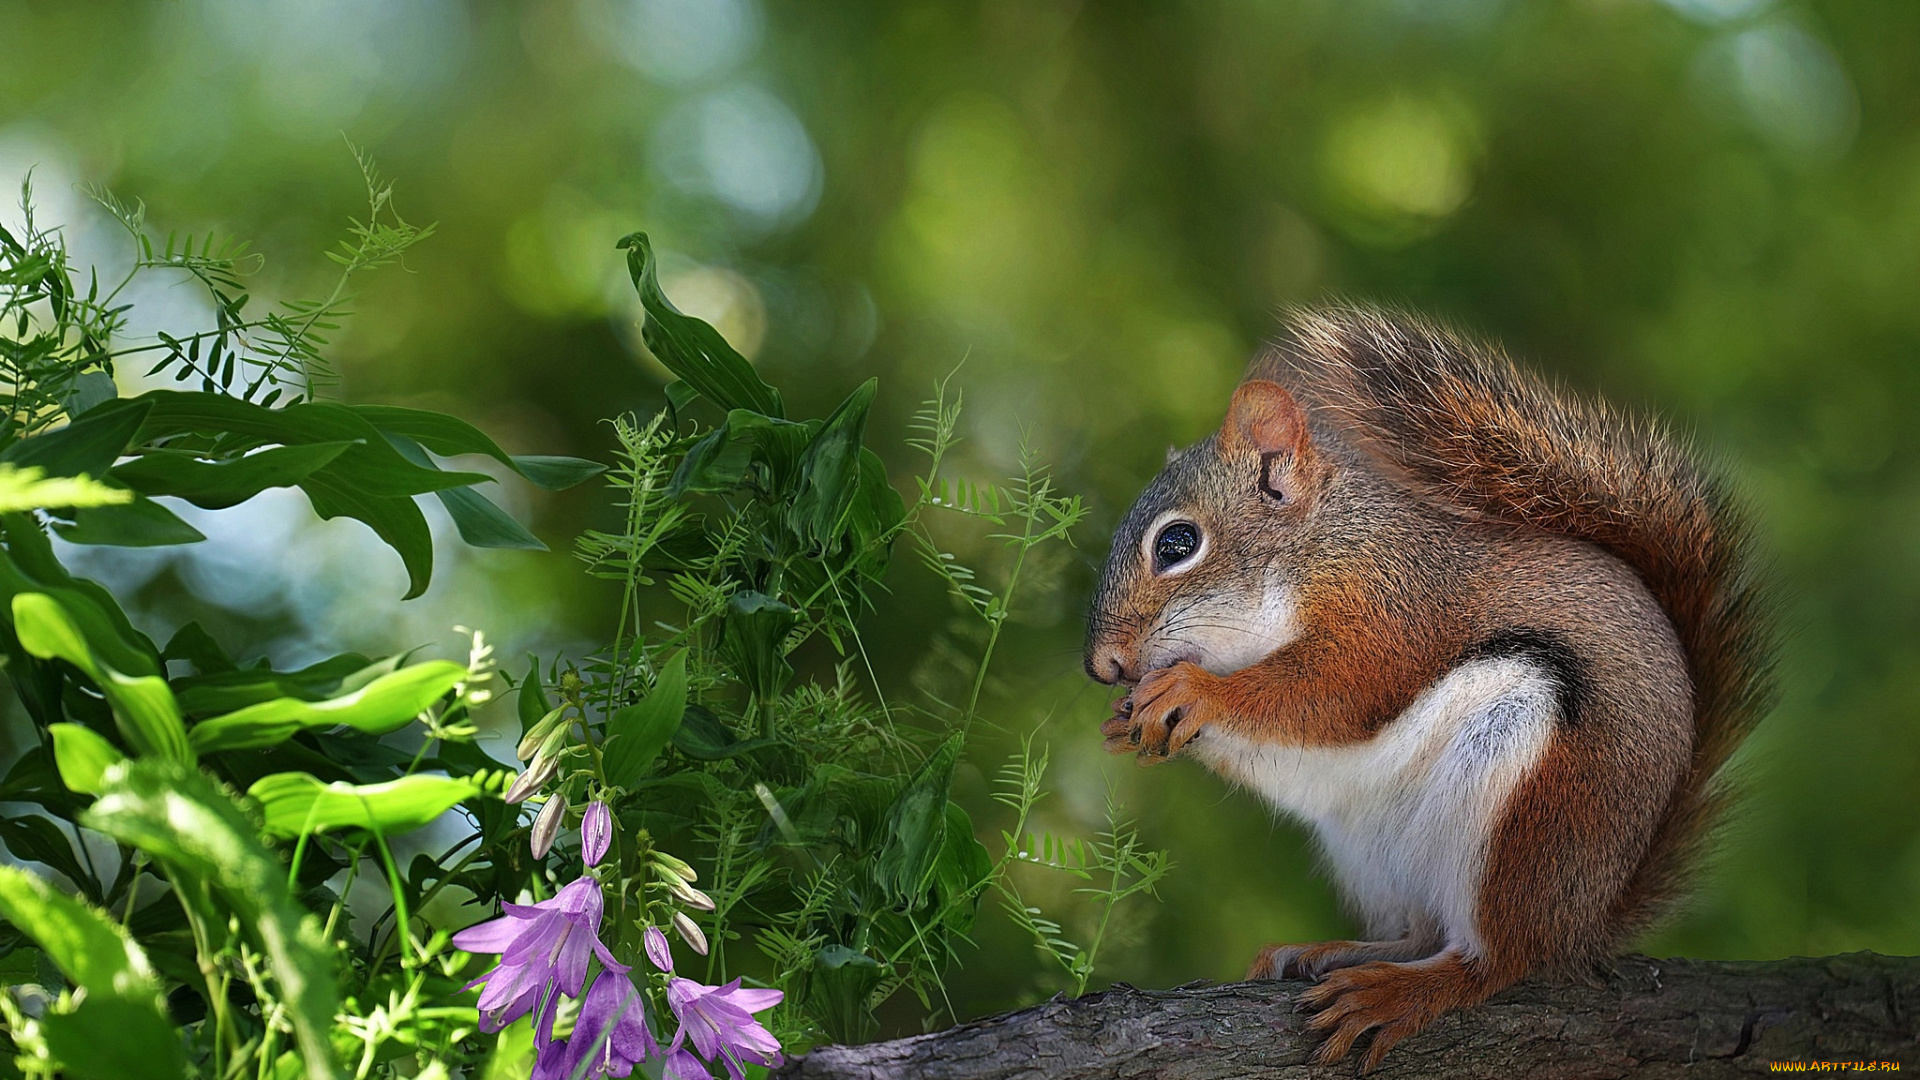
(744, 147)
(1795, 92)
(1404, 162)
(680, 42)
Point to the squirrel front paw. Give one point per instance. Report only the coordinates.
(1164, 713)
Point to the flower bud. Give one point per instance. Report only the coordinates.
(547, 826)
(537, 734)
(675, 865)
(690, 896)
(689, 933)
(544, 766)
(657, 950)
(596, 832)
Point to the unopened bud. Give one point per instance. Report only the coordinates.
(690, 896)
(537, 774)
(675, 865)
(547, 826)
(689, 933)
(596, 832)
(537, 734)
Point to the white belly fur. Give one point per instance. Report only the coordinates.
(1405, 818)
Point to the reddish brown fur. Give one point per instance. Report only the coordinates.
(1479, 501)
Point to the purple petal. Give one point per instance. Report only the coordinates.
(752, 1000)
(536, 941)
(681, 1065)
(596, 832)
(658, 950)
(492, 936)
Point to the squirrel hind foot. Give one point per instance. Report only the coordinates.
(1392, 1000)
(1316, 959)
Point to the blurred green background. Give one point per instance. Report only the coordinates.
(1707, 208)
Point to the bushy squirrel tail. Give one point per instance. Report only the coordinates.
(1500, 442)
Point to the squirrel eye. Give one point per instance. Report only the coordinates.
(1175, 544)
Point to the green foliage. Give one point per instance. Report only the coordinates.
(148, 757)
(723, 725)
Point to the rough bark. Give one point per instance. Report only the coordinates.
(1646, 1018)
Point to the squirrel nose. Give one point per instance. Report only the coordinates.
(1107, 664)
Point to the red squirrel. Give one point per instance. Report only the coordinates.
(1492, 643)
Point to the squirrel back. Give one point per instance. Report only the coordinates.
(1482, 435)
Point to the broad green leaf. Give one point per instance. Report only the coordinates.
(384, 705)
(82, 756)
(142, 704)
(22, 965)
(368, 462)
(87, 945)
(481, 523)
(193, 644)
(139, 523)
(484, 525)
(962, 866)
(703, 737)
(31, 489)
(194, 830)
(448, 435)
(636, 734)
(227, 691)
(533, 703)
(28, 565)
(89, 445)
(216, 485)
(297, 803)
(395, 519)
(830, 470)
(746, 447)
(916, 828)
(689, 347)
(38, 839)
(109, 1038)
(753, 641)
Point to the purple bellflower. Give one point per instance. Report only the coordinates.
(609, 1037)
(543, 948)
(719, 1021)
(596, 832)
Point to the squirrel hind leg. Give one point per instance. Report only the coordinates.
(1312, 961)
(1394, 1001)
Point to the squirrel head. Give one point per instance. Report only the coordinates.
(1200, 568)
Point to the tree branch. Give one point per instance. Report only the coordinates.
(1647, 1018)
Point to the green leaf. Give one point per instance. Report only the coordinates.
(481, 523)
(31, 489)
(139, 523)
(83, 942)
(396, 520)
(637, 733)
(533, 703)
(295, 803)
(703, 737)
(963, 865)
(216, 485)
(448, 435)
(745, 447)
(142, 704)
(830, 470)
(89, 445)
(109, 1038)
(83, 757)
(369, 462)
(27, 564)
(484, 525)
(193, 829)
(689, 347)
(38, 839)
(916, 828)
(753, 641)
(386, 704)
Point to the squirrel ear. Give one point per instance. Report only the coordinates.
(1172, 452)
(1264, 418)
